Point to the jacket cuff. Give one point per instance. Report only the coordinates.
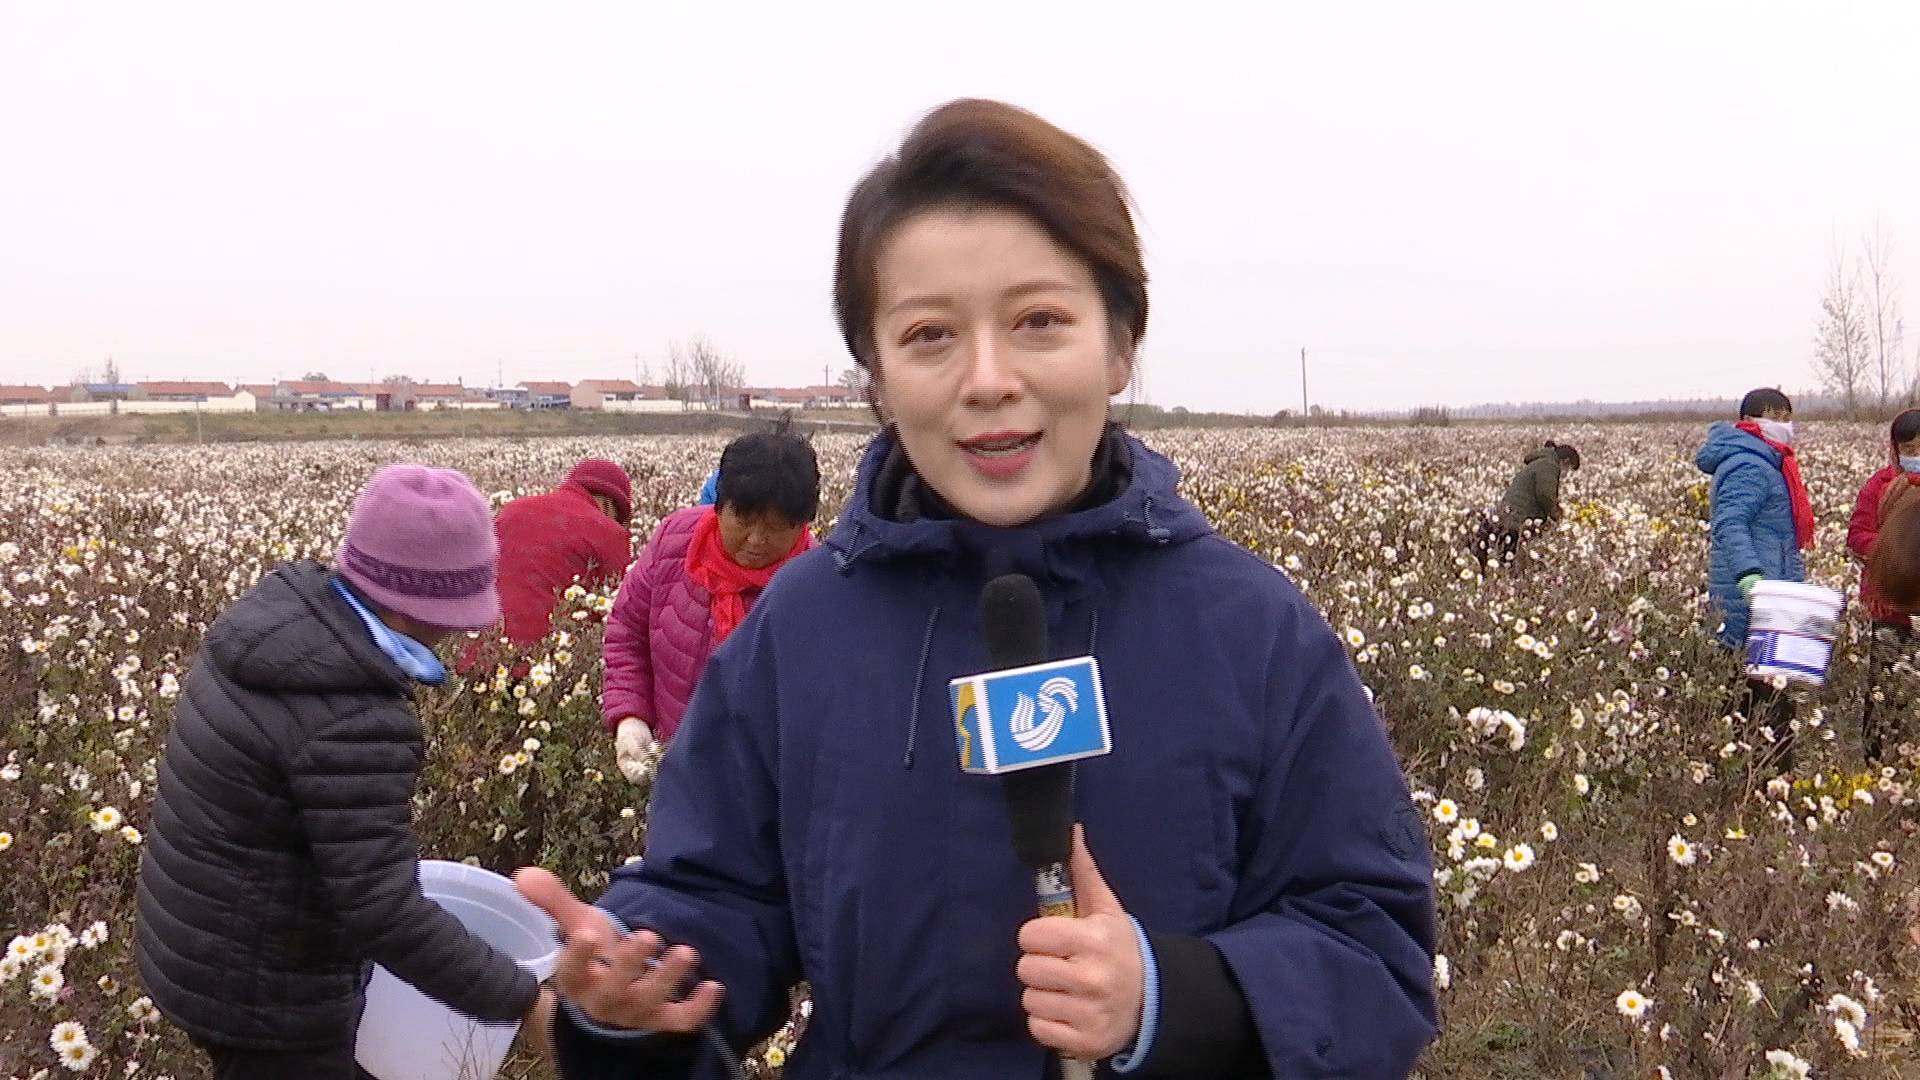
(584, 1055)
(1137, 1054)
(1205, 1025)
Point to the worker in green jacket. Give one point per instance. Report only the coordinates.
(1533, 497)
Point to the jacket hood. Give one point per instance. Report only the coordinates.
(292, 632)
(1063, 549)
(1725, 441)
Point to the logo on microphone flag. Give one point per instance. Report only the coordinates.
(1021, 718)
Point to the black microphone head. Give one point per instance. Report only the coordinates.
(1040, 804)
(1013, 618)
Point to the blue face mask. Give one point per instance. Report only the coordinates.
(1910, 463)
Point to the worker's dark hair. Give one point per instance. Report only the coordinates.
(1906, 427)
(770, 470)
(1569, 457)
(1760, 402)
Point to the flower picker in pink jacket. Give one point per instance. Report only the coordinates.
(694, 582)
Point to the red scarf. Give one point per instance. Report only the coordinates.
(1796, 487)
(710, 567)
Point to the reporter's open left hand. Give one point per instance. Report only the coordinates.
(1084, 977)
(614, 979)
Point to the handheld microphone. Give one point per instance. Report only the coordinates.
(1027, 722)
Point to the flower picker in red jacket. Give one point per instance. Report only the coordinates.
(694, 581)
(577, 532)
(1891, 635)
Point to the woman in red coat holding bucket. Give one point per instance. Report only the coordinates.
(1891, 634)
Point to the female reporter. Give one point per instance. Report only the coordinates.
(1254, 884)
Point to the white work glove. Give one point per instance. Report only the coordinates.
(632, 743)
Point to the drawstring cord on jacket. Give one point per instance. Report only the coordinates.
(919, 684)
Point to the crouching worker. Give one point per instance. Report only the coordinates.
(281, 862)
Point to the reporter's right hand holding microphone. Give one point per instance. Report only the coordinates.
(628, 981)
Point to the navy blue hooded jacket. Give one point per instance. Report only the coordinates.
(811, 820)
(1752, 522)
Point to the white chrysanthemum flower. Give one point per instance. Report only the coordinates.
(1681, 851)
(1580, 783)
(142, 1010)
(1795, 1068)
(1519, 857)
(1442, 972)
(1446, 812)
(1588, 874)
(78, 1058)
(48, 982)
(1849, 1036)
(1549, 831)
(131, 835)
(1632, 1004)
(65, 1034)
(1882, 859)
(106, 819)
(1848, 1009)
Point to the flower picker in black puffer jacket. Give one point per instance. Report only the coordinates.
(282, 862)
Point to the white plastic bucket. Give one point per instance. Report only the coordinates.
(1791, 630)
(406, 1035)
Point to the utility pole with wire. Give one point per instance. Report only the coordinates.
(1303, 382)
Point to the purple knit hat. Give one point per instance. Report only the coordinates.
(420, 543)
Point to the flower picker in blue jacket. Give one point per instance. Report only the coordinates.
(1762, 519)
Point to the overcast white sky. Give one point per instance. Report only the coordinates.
(1444, 203)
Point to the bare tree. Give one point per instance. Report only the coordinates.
(715, 374)
(679, 378)
(1882, 314)
(1842, 344)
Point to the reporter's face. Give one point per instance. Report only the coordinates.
(995, 361)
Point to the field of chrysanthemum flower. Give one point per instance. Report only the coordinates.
(1622, 894)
